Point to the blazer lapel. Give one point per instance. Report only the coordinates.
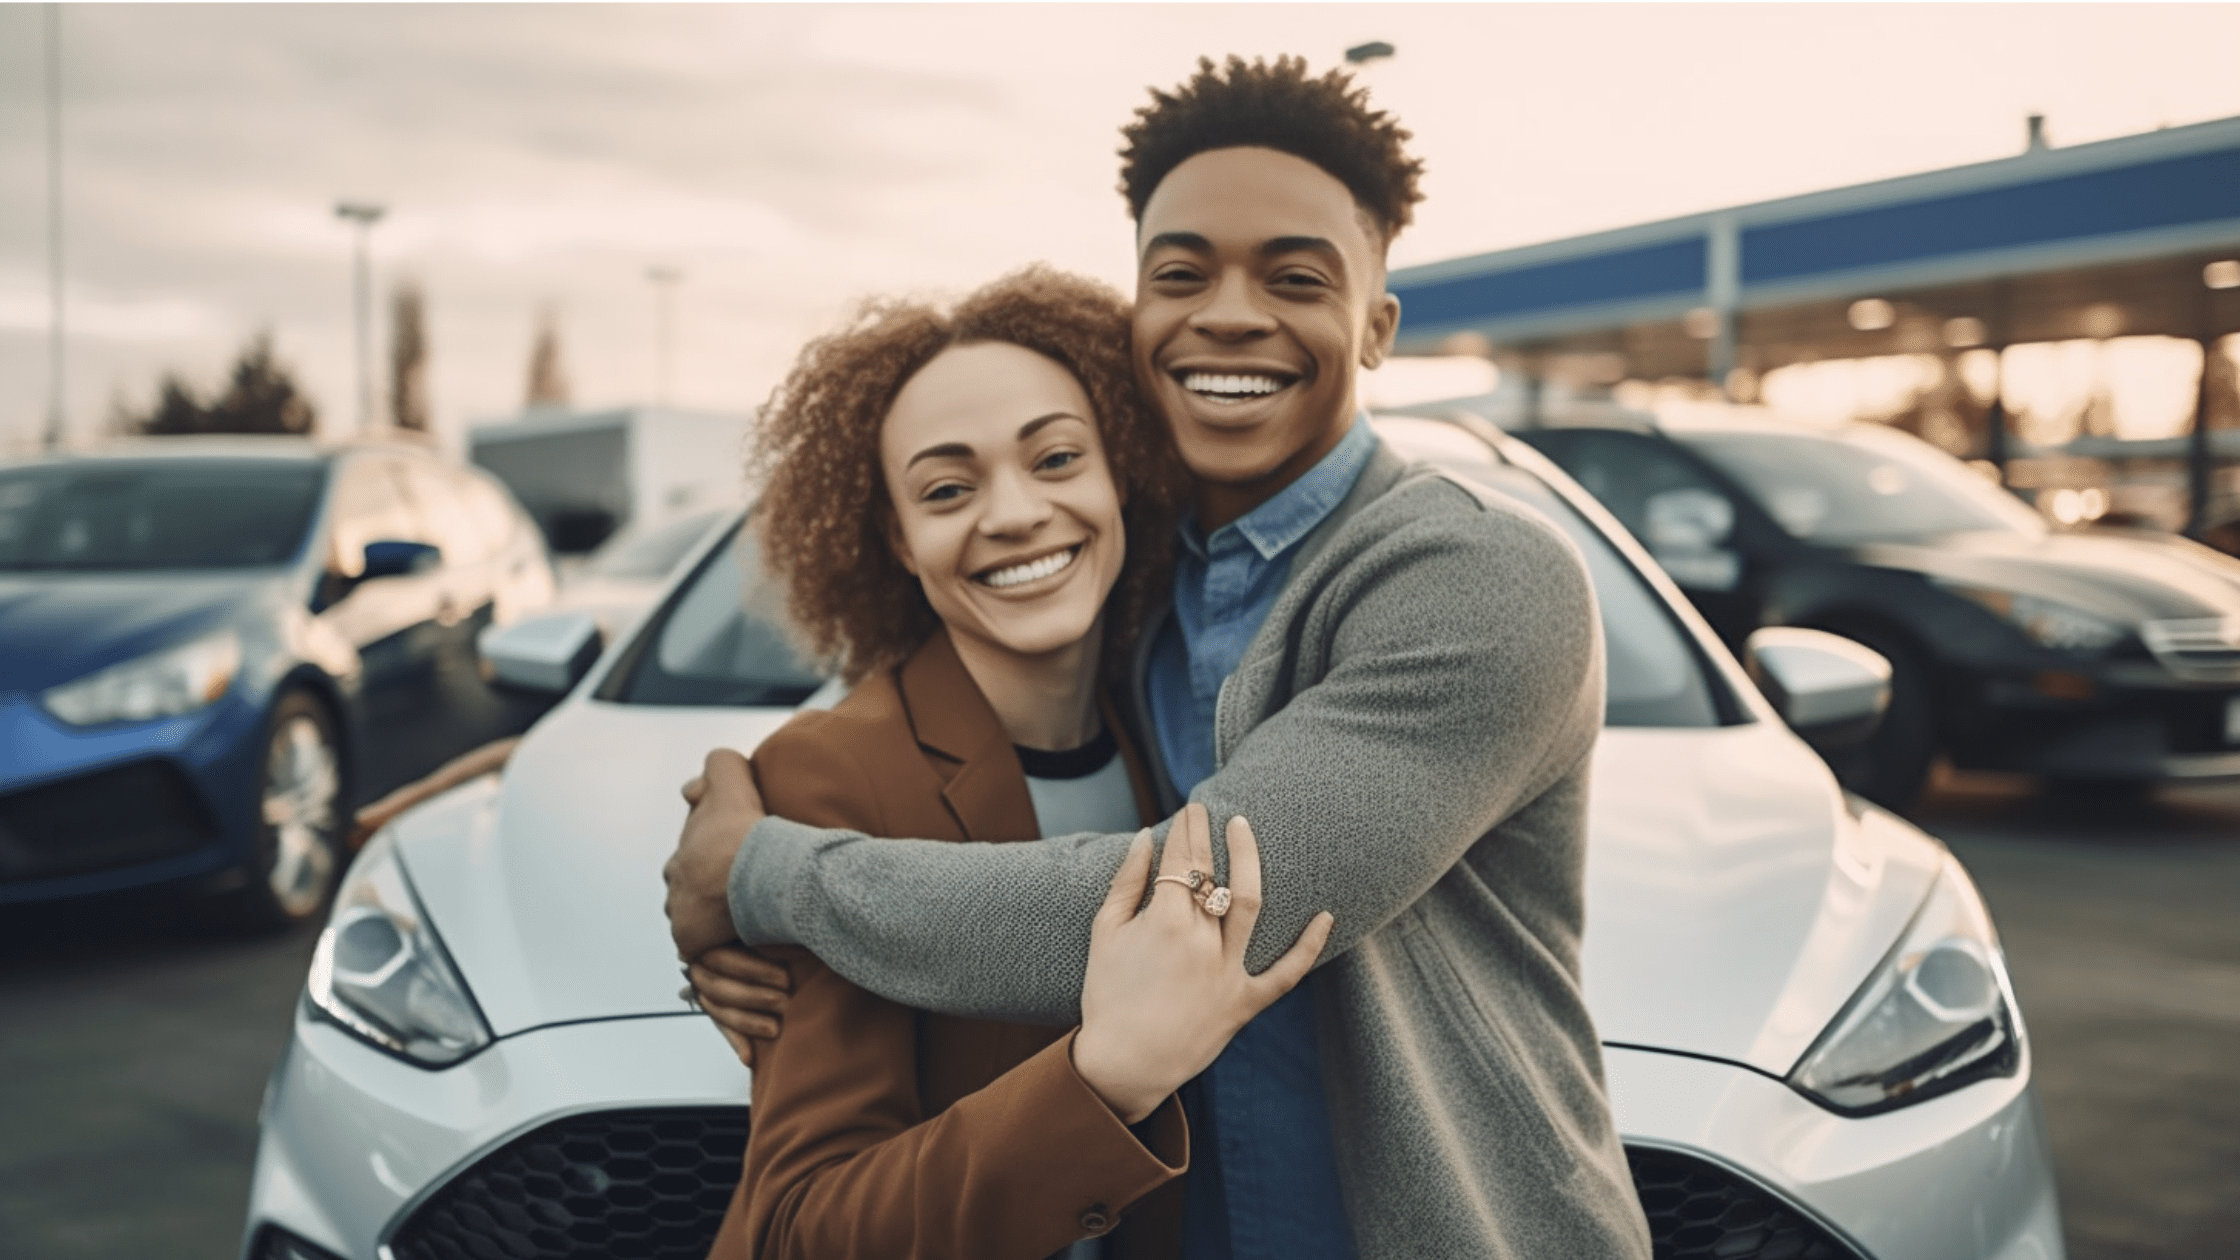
(987, 791)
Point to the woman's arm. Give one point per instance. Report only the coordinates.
(842, 1160)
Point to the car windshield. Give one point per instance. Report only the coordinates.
(111, 515)
(1653, 677)
(1862, 485)
(719, 639)
(653, 553)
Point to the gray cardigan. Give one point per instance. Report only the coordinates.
(1409, 734)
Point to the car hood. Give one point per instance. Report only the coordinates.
(1734, 904)
(58, 626)
(2127, 577)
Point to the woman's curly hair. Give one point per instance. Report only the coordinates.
(822, 518)
(1326, 120)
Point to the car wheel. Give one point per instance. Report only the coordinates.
(300, 817)
(1892, 766)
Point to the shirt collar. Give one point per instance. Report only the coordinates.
(1276, 525)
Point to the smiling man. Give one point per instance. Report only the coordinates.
(1397, 680)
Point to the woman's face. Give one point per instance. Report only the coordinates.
(1004, 506)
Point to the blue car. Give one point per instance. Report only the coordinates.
(212, 648)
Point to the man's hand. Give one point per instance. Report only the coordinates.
(725, 806)
(744, 993)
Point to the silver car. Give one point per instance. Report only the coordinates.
(1811, 1043)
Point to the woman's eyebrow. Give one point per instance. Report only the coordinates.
(946, 450)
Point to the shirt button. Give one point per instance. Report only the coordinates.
(1096, 1220)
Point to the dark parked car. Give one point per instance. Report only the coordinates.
(211, 648)
(2106, 659)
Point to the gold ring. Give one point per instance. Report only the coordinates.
(1192, 881)
(1216, 902)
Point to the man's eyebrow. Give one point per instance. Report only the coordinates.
(1191, 241)
(1295, 244)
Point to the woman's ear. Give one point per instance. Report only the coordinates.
(891, 529)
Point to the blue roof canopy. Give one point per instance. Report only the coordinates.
(2167, 194)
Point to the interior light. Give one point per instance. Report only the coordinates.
(1964, 331)
(2222, 274)
(1872, 314)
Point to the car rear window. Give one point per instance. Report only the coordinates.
(119, 515)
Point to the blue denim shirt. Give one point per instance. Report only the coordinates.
(1265, 1186)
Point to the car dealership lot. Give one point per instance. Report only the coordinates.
(133, 1051)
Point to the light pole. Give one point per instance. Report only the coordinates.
(664, 317)
(54, 226)
(365, 214)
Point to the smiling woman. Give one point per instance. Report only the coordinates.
(958, 503)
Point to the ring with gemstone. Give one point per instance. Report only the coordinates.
(1192, 881)
(1216, 902)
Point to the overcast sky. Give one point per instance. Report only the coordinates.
(788, 160)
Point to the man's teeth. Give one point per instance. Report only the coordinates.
(1229, 384)
(1033, 570)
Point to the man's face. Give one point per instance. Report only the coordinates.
(1259, 295)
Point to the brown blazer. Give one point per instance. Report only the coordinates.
(882, 1132)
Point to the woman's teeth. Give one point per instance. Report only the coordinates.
(1229, 387)
(1033, 570)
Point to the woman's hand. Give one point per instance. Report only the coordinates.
(1167, 987)
(743, 992)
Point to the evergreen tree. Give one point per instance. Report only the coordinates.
(261, 396)
(548, 380)
(408, 357)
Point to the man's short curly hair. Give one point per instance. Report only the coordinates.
(1325, 120)
(822, 518)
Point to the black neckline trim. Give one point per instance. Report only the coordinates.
(1069, 763)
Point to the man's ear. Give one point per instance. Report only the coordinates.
(1384, 325)
(891, 529)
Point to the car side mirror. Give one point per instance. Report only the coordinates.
(549, 653)
(391, 557)
(1831, 690)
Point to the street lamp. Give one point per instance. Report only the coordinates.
(54, 225)
(365, 214)
(664, 317)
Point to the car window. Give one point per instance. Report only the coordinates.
(1662, 498)
(651, 554)
(1655, 678)
(717, 640)
(441, 500)
(168, 514)
(1864, 485)
(370, 506)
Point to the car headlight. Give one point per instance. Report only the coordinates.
(161, 684)
(1938, 1013)
(2049, 624)
(380, 972)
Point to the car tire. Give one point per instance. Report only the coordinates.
(302, 815)
(1892, 766)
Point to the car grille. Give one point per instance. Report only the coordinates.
(632, 1185)
(121, 817)
(2205, 649)
(655, 1183)
(1700, 1211)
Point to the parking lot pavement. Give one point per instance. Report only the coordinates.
(133, 1049)
(2120, 922)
